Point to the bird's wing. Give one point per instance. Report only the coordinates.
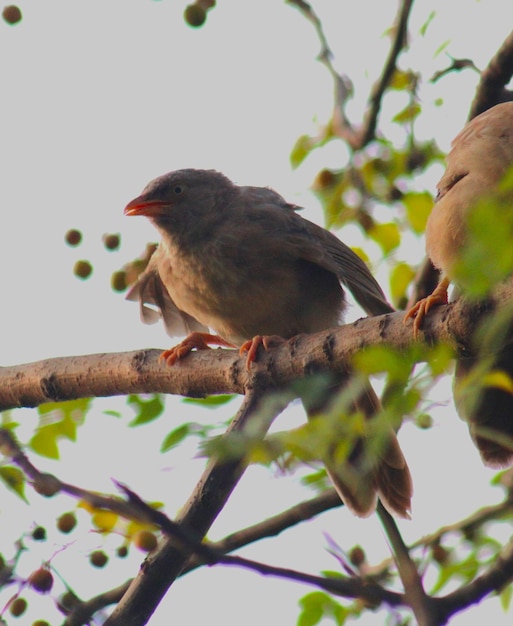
(155, 303)
(314, 244)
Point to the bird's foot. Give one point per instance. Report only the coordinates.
(419, 311)
(194, 341)
(251, 346)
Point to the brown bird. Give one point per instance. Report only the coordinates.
(241, 261)
(480, 156)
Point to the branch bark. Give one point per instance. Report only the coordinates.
(224, 371)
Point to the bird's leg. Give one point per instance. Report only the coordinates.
(251, 346)
(421, 309)
(194, 341)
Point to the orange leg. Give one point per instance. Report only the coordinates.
(421, 309)
(194, 341)
(251, 346)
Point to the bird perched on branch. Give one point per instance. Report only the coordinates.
(481, 156)
(241, 261)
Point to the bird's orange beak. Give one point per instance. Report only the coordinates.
(142, 206)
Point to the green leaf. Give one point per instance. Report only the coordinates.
(44, 442)
(318, 605)
(14, 479)
(418, 207)
(400, 278)
(408, 114)
(387, 236)
(505, 597)
(302, 148)
(175, 437)
(147, 409)
(425, 25)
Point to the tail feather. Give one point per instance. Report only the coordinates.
(363, 477)
(488, 410)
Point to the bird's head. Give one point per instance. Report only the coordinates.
(180, 196)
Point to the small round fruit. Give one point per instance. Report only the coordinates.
(145, 540)
(325, 178)
(195, 15)
(41, 580)
(111, 241)
(357, 556)
(67, 522)
(98, 558)
(18, 607)
(12, 14)
(122, 551)
(40, 622)
(83, 269)
(73, 237)
(39, 533)
(118, 281)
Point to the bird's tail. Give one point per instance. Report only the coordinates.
(486, 404)
(372, 469)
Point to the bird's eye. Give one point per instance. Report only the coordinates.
(178, 190)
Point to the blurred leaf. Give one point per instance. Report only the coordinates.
(487, 259)
(400, 278)
(147, 409)
(319, 605)
(14, 479)
(175, 437)
(409, 113)
(387, 236)
(302, 148)
(441, 48)
(418, 207)
(44, 442)
(505, 596)
(425, 25)
(403, 81)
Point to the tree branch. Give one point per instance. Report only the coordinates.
(224, 371)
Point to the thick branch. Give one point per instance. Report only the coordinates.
(223, 371)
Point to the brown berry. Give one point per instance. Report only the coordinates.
(66, 522)
(195, 15)
(18, 607)
(83, 269)
(98, 558)
(39, 533)
(111, 241)
(145, 541)
(40, 622)
(12, 14)
(73, 237)
(41, 580)
(122, 551)
(118, 281)
(357, 556)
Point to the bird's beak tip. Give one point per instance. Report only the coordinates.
(141, 206)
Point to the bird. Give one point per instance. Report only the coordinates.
(241, 261)
(480, 157)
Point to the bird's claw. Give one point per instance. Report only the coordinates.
(251, 346)
(194, 341)
(419, 311)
